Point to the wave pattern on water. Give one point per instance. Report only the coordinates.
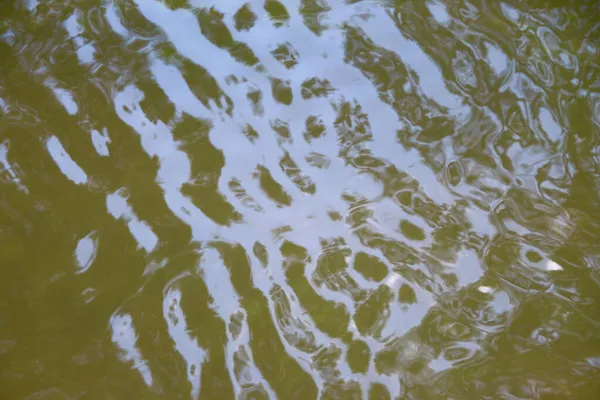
(307, 199)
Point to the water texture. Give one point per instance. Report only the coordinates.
(333, 199)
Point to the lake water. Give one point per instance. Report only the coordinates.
(333, 199)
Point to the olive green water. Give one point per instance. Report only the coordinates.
(302, 199)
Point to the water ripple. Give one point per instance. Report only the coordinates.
(312, 199)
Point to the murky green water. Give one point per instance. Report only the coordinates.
(302, 199)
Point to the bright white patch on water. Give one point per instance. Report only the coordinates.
(468, 268)
(391, 280)
(72, 26)
(439, 12)
(485, 289)
(85, 51)
(100, 141)
(553, 266)
(125, 338)
(64, 162)
(549, 124)
(501, 303)
(85, 252)
(497, 58)
(218, 281)
(510, 12)
(440, 364)
(10, 170)
(66, 99)
(114, 21)
(185, 344)
(117, 206)
(594, 361)
(143, 234)
(31, 4)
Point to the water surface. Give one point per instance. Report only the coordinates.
(303, 199)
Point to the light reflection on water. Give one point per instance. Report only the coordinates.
(310, 199)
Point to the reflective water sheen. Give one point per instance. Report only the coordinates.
(333, 199)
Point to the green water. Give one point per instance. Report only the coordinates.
(334, 199)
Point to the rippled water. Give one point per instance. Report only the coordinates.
(302, 199)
